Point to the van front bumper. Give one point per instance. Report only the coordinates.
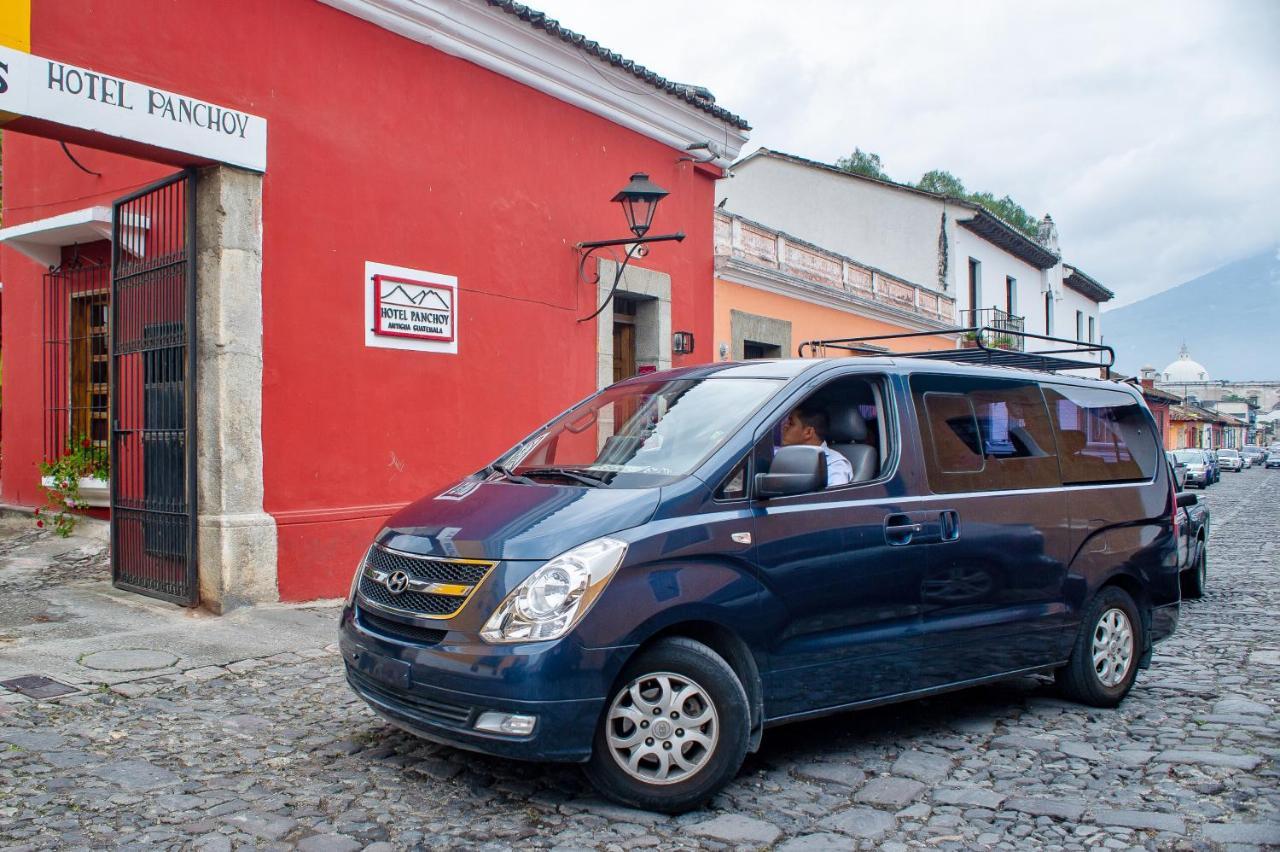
(439, 692)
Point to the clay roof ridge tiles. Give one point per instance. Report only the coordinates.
(697, 96)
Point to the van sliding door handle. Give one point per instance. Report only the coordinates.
(900, 529)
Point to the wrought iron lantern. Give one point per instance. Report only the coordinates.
(639, 200)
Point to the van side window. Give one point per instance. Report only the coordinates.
(734, 486)
(1103, 435)
(984, 434)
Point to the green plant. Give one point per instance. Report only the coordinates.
(80, 460)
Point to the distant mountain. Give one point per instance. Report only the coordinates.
(1229, 318)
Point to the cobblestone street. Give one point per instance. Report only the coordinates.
(278, 753)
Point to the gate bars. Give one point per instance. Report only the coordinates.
(153, 393)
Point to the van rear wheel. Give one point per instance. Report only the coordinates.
(674, 731)
(1104, 659)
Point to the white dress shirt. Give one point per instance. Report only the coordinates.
(839, 471)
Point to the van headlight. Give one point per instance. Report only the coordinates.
(553, 598)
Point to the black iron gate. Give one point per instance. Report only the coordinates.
(153, 309)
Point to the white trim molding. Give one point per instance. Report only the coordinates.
(43, 239)
(506, 45)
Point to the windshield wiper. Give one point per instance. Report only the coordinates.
(576, 475)
(514, 477)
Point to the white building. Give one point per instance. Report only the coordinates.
(954, 247)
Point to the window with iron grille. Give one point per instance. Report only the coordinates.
(76, 359)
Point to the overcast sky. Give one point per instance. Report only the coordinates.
(1149, 130)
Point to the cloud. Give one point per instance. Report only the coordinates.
(1148, 129)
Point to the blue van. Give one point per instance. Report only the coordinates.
(686, 558)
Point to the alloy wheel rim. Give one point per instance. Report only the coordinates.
(662, 728)
(1112, 647)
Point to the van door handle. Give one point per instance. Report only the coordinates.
(899, 529)
(950, 521)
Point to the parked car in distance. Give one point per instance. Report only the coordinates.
(1253, 453)
(1179, 470)
(1198, 472)
(1193, 544)
(1273, 459)
(647, 582)
(1230, 460)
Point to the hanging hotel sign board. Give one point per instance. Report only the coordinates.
(410, 309)
(46, 89)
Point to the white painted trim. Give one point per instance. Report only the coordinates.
(93, 491)
(504, 44)
(734, 271)
(43, 239)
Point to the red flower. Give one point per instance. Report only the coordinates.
(37, 510)
(39, 523)
(86, 443)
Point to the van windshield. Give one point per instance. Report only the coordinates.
(639, 434)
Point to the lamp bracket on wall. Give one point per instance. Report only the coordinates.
(635, 245)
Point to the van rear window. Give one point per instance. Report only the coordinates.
(1103, 435)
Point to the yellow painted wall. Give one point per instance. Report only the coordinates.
(810, 321)
(15, 24)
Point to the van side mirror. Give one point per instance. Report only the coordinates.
(797, 469)
(1186, 498)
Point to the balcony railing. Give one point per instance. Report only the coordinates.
(1000, 321)
(765, 249)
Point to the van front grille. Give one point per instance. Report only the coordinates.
(436, 588)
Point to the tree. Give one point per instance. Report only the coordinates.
(941, 182)
(862, 163)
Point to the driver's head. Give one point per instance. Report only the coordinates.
(804, 426)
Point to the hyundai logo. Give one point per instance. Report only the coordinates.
(397, 582)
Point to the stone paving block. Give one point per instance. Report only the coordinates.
(867, 823)
(969, 796)
(1066, 809)
(205, 673)
(822, 842)
(264, 826)
(242, 666)
(1256, 833)
(737, 829)
(834, 773)
(1083, 751)
(1141, 819)
(329, 843)
(1018, 742)
(923, 766)
(890, 792)
(135, 775)
(1210, 758)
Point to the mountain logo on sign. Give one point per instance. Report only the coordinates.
(408, 301)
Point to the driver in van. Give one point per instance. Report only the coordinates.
(809, 426)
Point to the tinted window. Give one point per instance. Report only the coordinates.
(1103, 435)
(984, 435)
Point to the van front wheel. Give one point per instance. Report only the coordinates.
(674, 731)
(1104, 659)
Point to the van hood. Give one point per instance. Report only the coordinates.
(506, 520)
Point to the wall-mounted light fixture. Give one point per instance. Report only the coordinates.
(639, 200)
(682, 342)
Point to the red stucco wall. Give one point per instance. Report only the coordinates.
(379, 149)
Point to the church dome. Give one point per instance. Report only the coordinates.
(1185, 370)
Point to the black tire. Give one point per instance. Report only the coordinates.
(716, 679)
(1195, 578)
(1079, 680)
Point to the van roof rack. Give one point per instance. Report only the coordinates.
(999, 347)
